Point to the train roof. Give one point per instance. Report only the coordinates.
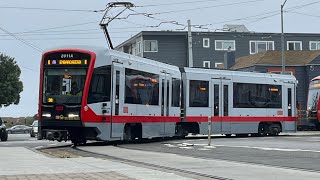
(102, 51)
(238, 73)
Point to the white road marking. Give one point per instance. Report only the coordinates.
(38, 147)
(314, 140)
(203, 149)
(170, 145)
(291, 137)
(53, 144)
(271, 149)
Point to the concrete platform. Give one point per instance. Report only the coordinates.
(22, 163)
(226, 169)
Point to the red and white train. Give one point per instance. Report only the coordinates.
(313, 105)
(89, 93)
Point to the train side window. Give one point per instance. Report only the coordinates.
(247, 95)
(141, 87)
(175, 92)
(225, 100)
(100, 86)
(199, 94)
(216, 100)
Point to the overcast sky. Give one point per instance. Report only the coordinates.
(55, 23)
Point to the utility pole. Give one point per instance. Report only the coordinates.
(282, 40)
(106, 20)
(190, 61)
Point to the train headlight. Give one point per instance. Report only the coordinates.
(73, 115)
(46, 114)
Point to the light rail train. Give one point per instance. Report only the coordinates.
(90, 93)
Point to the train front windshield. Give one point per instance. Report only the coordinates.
(63, 86)
(64, 76)
(313, 96)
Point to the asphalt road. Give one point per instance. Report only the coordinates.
(294, 152)
(24, 140)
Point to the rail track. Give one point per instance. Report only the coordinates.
(185, 173)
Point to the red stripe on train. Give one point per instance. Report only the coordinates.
(135, 119)
(90, 117)
(174, 119)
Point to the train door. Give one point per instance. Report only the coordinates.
(289, 105)
(220, 105)
(165, 99)
(117, 97)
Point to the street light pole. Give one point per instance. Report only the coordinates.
(282, 39)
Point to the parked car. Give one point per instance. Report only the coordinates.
(34, 129)
(19, 129)
(3, 132)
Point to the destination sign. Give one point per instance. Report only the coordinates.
(67, 62)
(70, 62)
(67, 59)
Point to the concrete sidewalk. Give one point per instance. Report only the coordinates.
(221, 168)
(302, 133)
(21, 163)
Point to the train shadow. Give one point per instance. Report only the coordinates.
(166, 139)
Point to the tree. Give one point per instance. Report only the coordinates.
(10, 84)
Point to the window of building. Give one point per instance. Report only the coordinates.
(206, 64)
(261, 46)
(218, 65)
(314, 45)
(150, 46)
(139, 47)
(224, 45)
(175, 92)
(288, 71)
(100, 85)
(206, 42)
(199, 94)
(141, 87)
(247, 95)
(294, 45)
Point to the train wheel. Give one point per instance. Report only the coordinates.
(127, 134)
(4, 137)
(261, 130)
(274, 130)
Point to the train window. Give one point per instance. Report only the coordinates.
(141, 88)
(199, 94)
(247, 95)
(216, 100)
(289, 102)
(100, 86)
(175, 92)
(225, 100)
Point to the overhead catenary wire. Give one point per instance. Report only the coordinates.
(50, 9)
(200, 26)
(64, 33)
(44, 39)
(305, 14)
(184, 2)
(21, 40)
(205, 7)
